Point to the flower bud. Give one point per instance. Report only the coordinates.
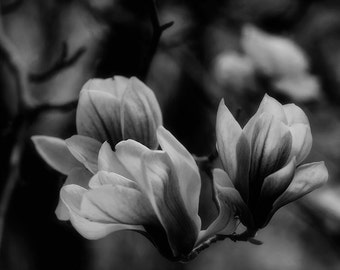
(263, 159)
(117, 109)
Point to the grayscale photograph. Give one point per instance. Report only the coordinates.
(167, 134)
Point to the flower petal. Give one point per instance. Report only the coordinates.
(307, 178)
(301, 141)
(295, 115)
(140, 114)
(115, 86)
(269, 106)
(162, 187)
(98, 116)
(230, 204)
(233, 149)
(109, 178)
(271, 147)
(117, 204)
(55, 152)
(273, 186)
(129, 154)
(85, 150)
(108, 161)
(186, 170)
(72, 195)
(78, 176)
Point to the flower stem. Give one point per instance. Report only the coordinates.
(246, 236)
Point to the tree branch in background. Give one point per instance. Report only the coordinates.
(64, 107)
(157, 29)
(11, 57)
(63, 62)
(28, 109)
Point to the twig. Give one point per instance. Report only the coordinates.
(11, 56)
(65, 107)
(62, 63)
(246, 236)
(158, 29)
(27, 111)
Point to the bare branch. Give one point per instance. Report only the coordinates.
(10, 55)
(63, 62)
(64, 107)
(158, 29)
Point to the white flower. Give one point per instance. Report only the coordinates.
(263, 159)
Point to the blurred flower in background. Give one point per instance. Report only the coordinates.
(282, 61)
(234, 71)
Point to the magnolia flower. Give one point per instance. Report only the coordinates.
(283, 61)
(272, 55)
(118, 109)
(108, 110)
(154, 192)
(263, 160)
(234, 70)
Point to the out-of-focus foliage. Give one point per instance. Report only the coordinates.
(62, 44)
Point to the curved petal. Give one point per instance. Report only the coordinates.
(186, 171)
(117, 204)
(233, 149)
(295, 115)
(98, 116)
(109, 178)
(271, 147)
(301, 141)
(307, 178)
(140, 114)
(129, 154)
(270, 106)
(55, 152)
(273, 186)
(78, 176)
(72, 195)
(162, 187)
(109, 162)
(230, 204)
(85, 150)
(115, 86)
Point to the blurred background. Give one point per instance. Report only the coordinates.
(232, 49)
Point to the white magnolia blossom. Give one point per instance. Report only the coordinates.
(263, 160)
(155, 192)
(234, 70)
(108, 110)
(117, 109)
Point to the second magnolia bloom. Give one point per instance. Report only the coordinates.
(263, 159)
